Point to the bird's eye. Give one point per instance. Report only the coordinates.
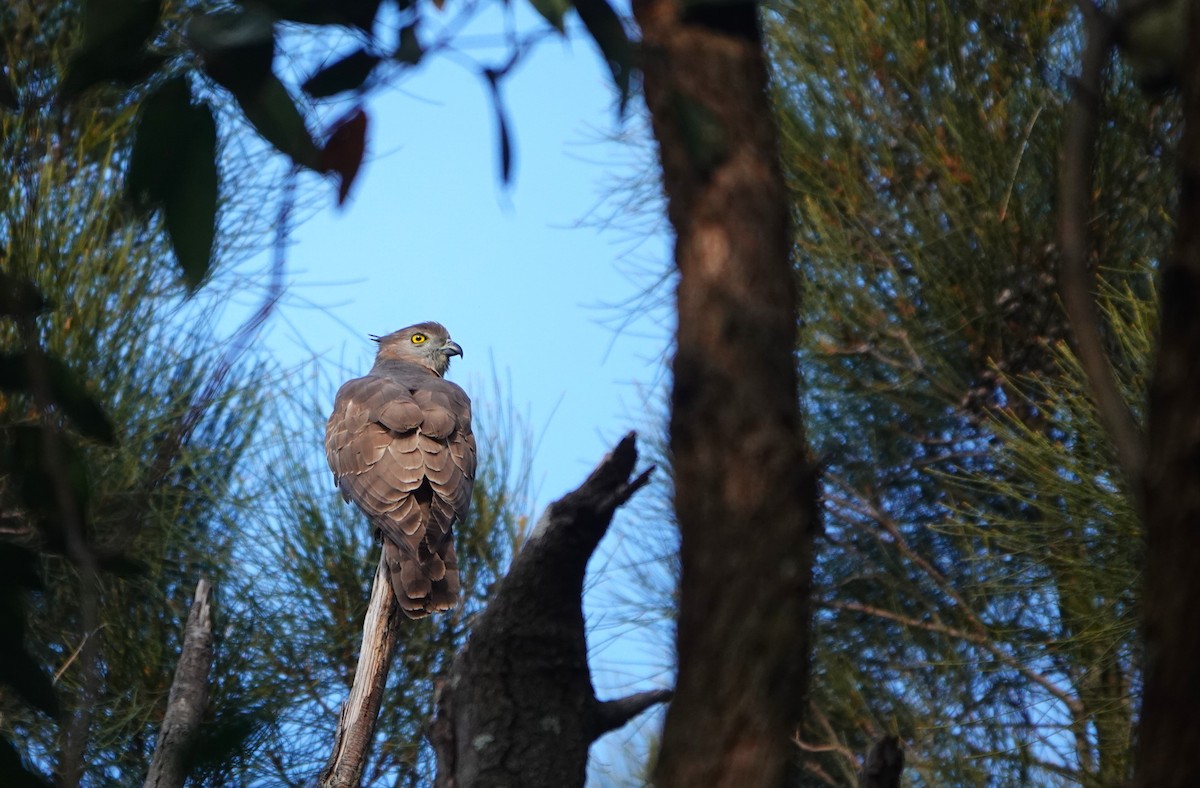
(419, 339)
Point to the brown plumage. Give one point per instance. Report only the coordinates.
(400, 446)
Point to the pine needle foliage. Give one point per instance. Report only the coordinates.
(977, 580)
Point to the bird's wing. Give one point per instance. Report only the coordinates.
(388, 435)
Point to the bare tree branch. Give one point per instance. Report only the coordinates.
(188, 697)
(1075, 281)
(360, 712)
(612, 714)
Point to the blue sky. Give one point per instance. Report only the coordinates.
(522, 276)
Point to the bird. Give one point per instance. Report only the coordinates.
(400, 446)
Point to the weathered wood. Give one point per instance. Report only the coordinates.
(360, 712)
(188, 697)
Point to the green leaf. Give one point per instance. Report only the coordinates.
(552, 11)
(609, 34)
(66, 390)
(348, 73)
(114, 36)
(277, 118)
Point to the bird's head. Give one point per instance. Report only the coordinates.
(428, 344)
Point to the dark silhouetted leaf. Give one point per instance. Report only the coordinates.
(114, 36)
(8, 94)
(409, 50)
(13, 773)
(19, 296)
(237, 47)
(173, 167)
(343, 153)
(552, 11)
(348, 13)
(501, 127)
(24, 458)
(17, 668)
(606, 29)
(348, 73)
(68, 393)
(190, 197)
(26, 677)
(277, 118)
(163, 115)
(18, 567)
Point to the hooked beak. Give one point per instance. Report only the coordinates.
(452, 348)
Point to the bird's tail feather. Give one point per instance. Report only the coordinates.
(425, 581)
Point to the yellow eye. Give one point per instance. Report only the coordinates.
(419, 339)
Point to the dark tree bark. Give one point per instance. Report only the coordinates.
(518, 707)
(188, 697)
(745, 491)
(1169, 731)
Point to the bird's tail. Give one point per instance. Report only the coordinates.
(424, 578)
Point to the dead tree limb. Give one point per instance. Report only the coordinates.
(188, 697)
(518, 707)
(360, 712)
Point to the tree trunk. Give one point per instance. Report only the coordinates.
(1169, 733)
(745, 491)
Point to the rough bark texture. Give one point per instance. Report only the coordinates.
(188, 697)
(745, 492)
(1169, 733)
(518, 707)
(356, 725)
